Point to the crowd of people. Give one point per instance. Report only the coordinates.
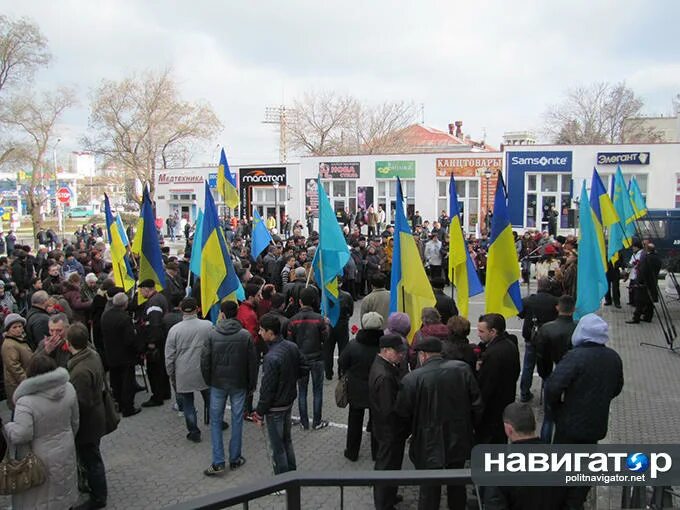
(66, 320)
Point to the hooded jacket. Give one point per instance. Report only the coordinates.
(229, 357)
(583, 384)
(355, 361)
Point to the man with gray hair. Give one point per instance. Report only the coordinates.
(37, 319)
(122, 346)
(54, 345)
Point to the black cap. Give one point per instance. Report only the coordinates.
(147, 284)
(429, 344)
(393, 342)
(188, 305)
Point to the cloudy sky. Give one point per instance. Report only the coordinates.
(494, 64)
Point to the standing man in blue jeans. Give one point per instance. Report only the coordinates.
(229, 367)
(283, 365)
(309, 331)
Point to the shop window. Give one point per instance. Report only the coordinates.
(531, 182)
(549, 182)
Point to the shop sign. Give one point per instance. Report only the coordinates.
(394, 169)
(467, 167)
(339, 170)
(312, 196)
(165, 178)
(551, 161)
(623, 158)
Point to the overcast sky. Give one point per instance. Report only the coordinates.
(495, 65)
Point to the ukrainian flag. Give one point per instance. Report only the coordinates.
(636, 198)
(122, 270)
(330, 258)
(591, 279)
(503, 293)
(218, 278)
(196, 245)
(226, 184)
(261, 236)
(410, 291)
(604, 214)
(462, 271)
(150, 258)
(621, 233)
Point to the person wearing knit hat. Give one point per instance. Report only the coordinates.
(16, 355)
(372, 320)
(581, 414)
(398, 323)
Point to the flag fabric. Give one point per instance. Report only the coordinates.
(503, 294)
(330, 258)
(150, 258)
(604, 214)
(121, 230)
(636, 198)
(591, 279)
(621, 233)
(462, 271)
(122, 270)
(214, 256)
(226, 184)
(197, 245)
(260, 236)
(410, 289)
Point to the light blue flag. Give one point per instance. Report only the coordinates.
(261, 236)
(591, 280)
(121, 230)
(195, 263)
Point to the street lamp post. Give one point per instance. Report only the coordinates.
(60, 219)
(276, 203)
(487, 175)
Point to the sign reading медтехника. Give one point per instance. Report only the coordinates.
(564, 464)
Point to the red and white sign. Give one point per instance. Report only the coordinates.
(64, 195)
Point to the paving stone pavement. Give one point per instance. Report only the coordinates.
(150, 464)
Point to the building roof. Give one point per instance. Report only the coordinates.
(421, 138)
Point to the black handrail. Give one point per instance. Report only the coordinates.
(293, 482)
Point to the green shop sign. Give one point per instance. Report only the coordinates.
(393, 169)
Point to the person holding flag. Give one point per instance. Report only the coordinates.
(122, 270)
(462, 272)
(410, 290)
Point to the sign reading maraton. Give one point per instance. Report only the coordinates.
(623, 158)
(394, 169)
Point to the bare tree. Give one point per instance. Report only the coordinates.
(32, 121)
(141, 124)
(379, 128)
(599, 113)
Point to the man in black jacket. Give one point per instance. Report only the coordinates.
(338, 334)
(442, 402)
(537, 309)
(229, 367)
(581, 412)
(520, 427)
(553, 339)
(645, 286)
(153, 310)
(446, 306)
(282, 367)
(309, 331)
(122, 346)
(497, 373)
(37, 319)
(388, 429)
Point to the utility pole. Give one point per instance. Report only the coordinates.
(281, 116)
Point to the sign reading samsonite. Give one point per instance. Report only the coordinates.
(623, 158)
(394, 169)
(339, 170)
(555, 161)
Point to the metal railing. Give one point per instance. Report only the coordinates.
(293, 482)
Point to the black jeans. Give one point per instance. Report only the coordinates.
(158, 379)
(613, 291)
(430, 495)
(90, 460)
(338, 335)
(389, 455)
(576, 496)
(644, 307)
(278, 426)
(355, 429)
(123, 387)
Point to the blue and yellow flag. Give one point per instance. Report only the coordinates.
(462, 270)
(226, 184)
(197, 245)
(260, 237)
(121, 230)
(591, 279)
(503, 294)
(636, 198)
(150, 258)
(621, 233)
(604, 214)
(122, 270)
(215, 258)
(332, 254)
(410, 289)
